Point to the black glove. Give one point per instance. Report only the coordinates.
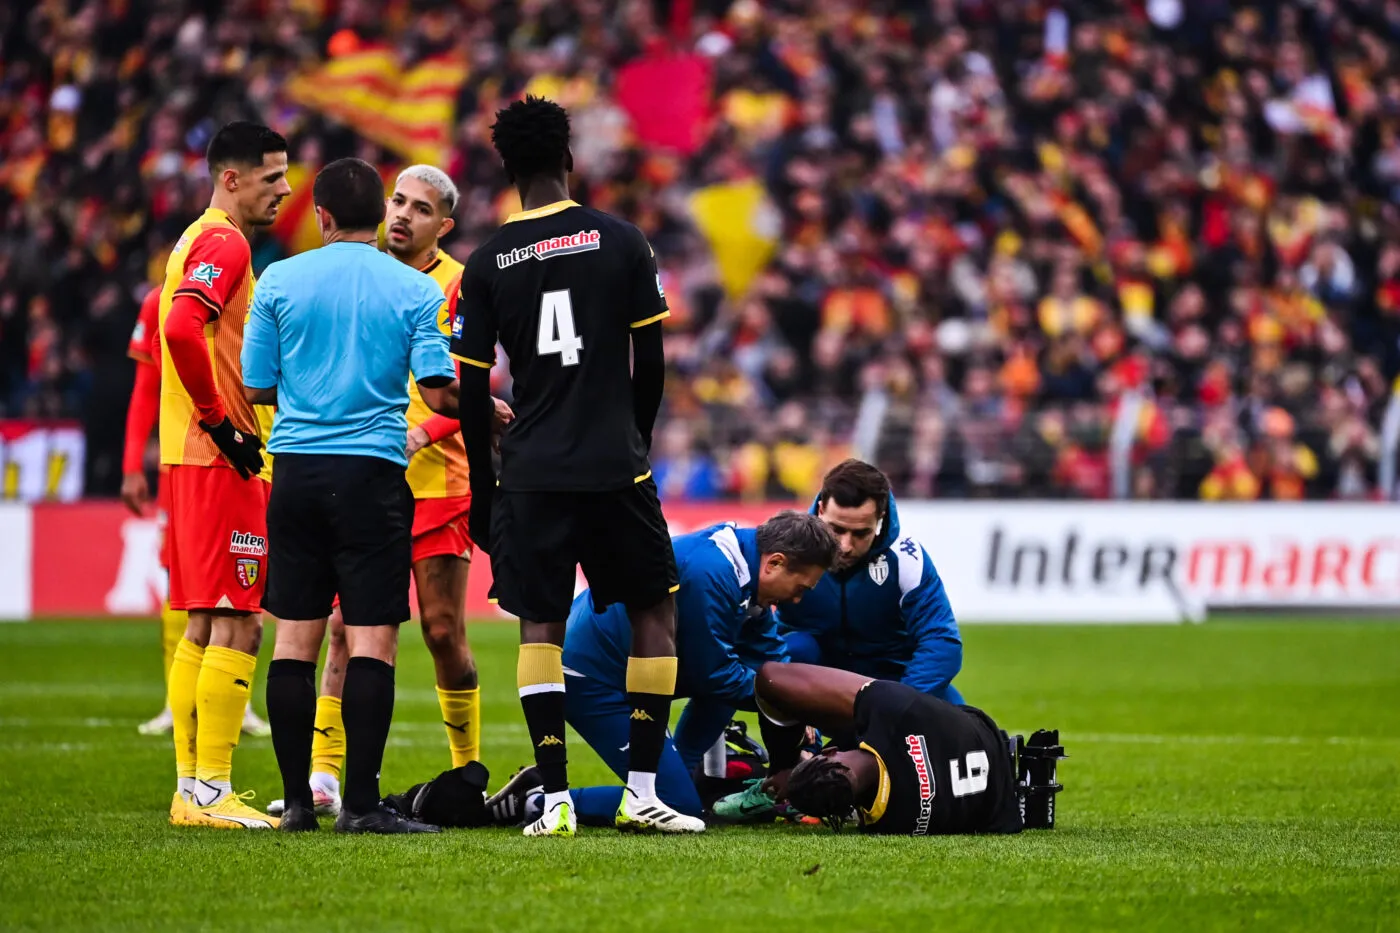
(479, 516)
(241, 450)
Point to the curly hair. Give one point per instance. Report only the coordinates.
(532, 137)
(821, 787)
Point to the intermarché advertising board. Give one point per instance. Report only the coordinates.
(1000, 561)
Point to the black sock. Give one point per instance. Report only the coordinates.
(291, 712)
(651, 713)
(544, 714)
(367, 708)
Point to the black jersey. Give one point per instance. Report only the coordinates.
(945, 769)
(561, 288)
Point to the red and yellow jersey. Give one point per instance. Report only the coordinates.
(212, 263)
(438, 471)
(145, 336)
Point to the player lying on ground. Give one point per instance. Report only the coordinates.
(724, 629)
(573, 296)
(141, 417)
(418, 214)
(209, 440)
(916, 765)
(882, 610)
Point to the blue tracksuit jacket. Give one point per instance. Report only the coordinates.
(888, 617)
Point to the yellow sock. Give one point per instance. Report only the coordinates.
(461, 716)
(538, 665)
(180, 694)
(225, 681)
(651, 675)
(328, 739)
(172, 632)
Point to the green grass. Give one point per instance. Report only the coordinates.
(1230, 775)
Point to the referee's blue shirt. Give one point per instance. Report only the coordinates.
(337, 331)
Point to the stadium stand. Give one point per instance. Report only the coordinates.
(1002, 247)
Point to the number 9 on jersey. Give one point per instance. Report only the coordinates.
(557, 334)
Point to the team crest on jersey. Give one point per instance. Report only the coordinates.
(205, 273)
(580, 242)
(880, 571)
(248, 570)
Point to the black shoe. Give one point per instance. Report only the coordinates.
(297, 818)
(507, 805)
(381, 821)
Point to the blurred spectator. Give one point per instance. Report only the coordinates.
(1000, 248)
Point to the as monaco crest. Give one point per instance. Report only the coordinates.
(248, 570)
(880, 571)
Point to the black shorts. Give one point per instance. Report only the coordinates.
(619, 537)
(339, 524)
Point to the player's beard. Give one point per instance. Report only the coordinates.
(402, 250)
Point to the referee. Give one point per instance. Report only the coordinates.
(332, 339)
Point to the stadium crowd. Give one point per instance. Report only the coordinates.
(996, 238)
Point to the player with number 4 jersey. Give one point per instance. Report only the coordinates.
(573, 296)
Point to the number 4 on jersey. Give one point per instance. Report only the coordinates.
(557, 334)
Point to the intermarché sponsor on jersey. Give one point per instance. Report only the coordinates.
(580, 242)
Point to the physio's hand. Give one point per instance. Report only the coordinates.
(504, 416)
(136, 494)
(240, 449)
(777, 784)
(417, 440)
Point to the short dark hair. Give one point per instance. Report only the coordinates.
(801, 537)
(532, 137)
(852, 483)
(821, 786)
(242, 143)
(353, 192)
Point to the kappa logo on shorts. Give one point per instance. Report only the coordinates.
(580, 242)
(248, 571)
(244, 543)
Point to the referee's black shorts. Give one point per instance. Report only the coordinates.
(619, 537)
(339, 524)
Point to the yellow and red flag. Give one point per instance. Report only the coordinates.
(410, 112)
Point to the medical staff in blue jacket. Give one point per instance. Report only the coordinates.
(729, 577)
(882, 609)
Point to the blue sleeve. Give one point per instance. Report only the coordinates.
(928, 617)
(759, 641)
(713, 595)
(702, 721)
(261, 357)
(428, 355)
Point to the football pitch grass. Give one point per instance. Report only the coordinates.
(1229, 775)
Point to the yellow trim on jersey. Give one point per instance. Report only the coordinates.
(643, 478)
(545, 211)
(651, 320)
(472, 362)
(882, 796)
(675, 589)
